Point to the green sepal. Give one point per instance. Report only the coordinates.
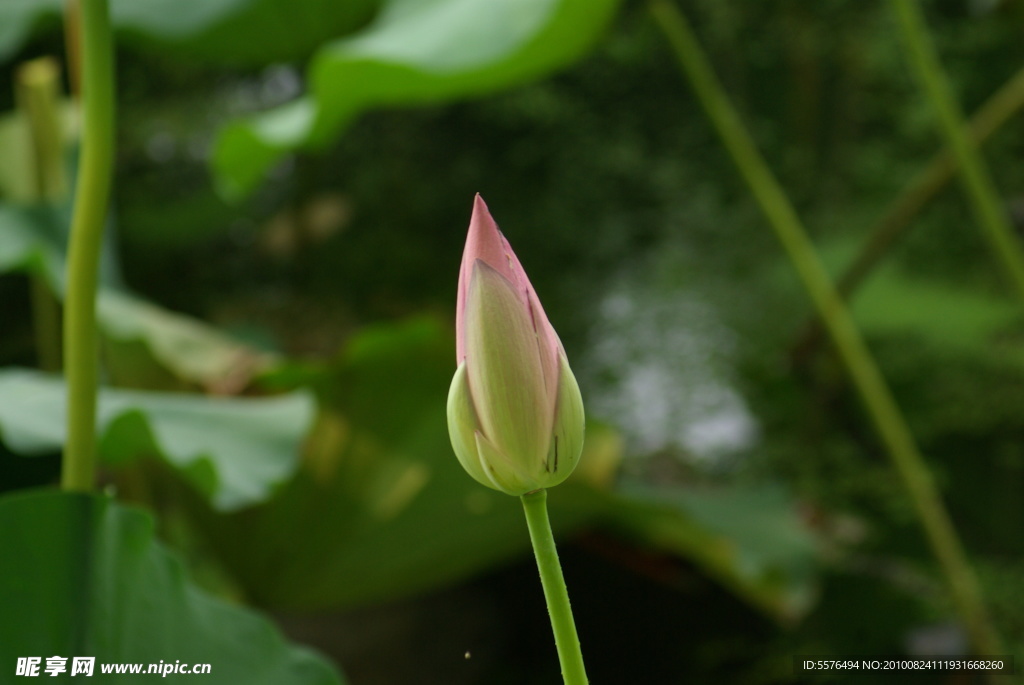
(463, 424)
(567, 443)
(503, 473)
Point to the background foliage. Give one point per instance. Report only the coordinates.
(291, 200)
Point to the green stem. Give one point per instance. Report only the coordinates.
(91, 196)
(977, 182)
(874, 392)
(555, 593)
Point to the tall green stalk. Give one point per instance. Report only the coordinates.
(567, 642)
(981, 191)
(95, 166)
(874, 392)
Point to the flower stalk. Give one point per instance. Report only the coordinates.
(95, 166)
(567, 642)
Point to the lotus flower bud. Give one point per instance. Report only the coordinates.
(515, 415)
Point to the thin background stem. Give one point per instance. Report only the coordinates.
(37, 89)
(91, 196)
(73, 45)
(899, 215)
(981, 190)
(555, 593)
(874, 392)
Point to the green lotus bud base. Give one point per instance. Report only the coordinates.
(567, 642)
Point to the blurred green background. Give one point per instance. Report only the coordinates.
(293, 187)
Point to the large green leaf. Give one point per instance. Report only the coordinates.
(139, 333)
(193, 350)
(416, 51)
(222, 31)
(950, 317)
(19, 17)
(382, 508)
(953, 318)
(82, 576)
(749, 539)
(236, 451)
(32, 239)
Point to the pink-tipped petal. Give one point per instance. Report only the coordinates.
(486, 243)
(548, 345)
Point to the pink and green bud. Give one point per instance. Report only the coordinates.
(515, 415)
